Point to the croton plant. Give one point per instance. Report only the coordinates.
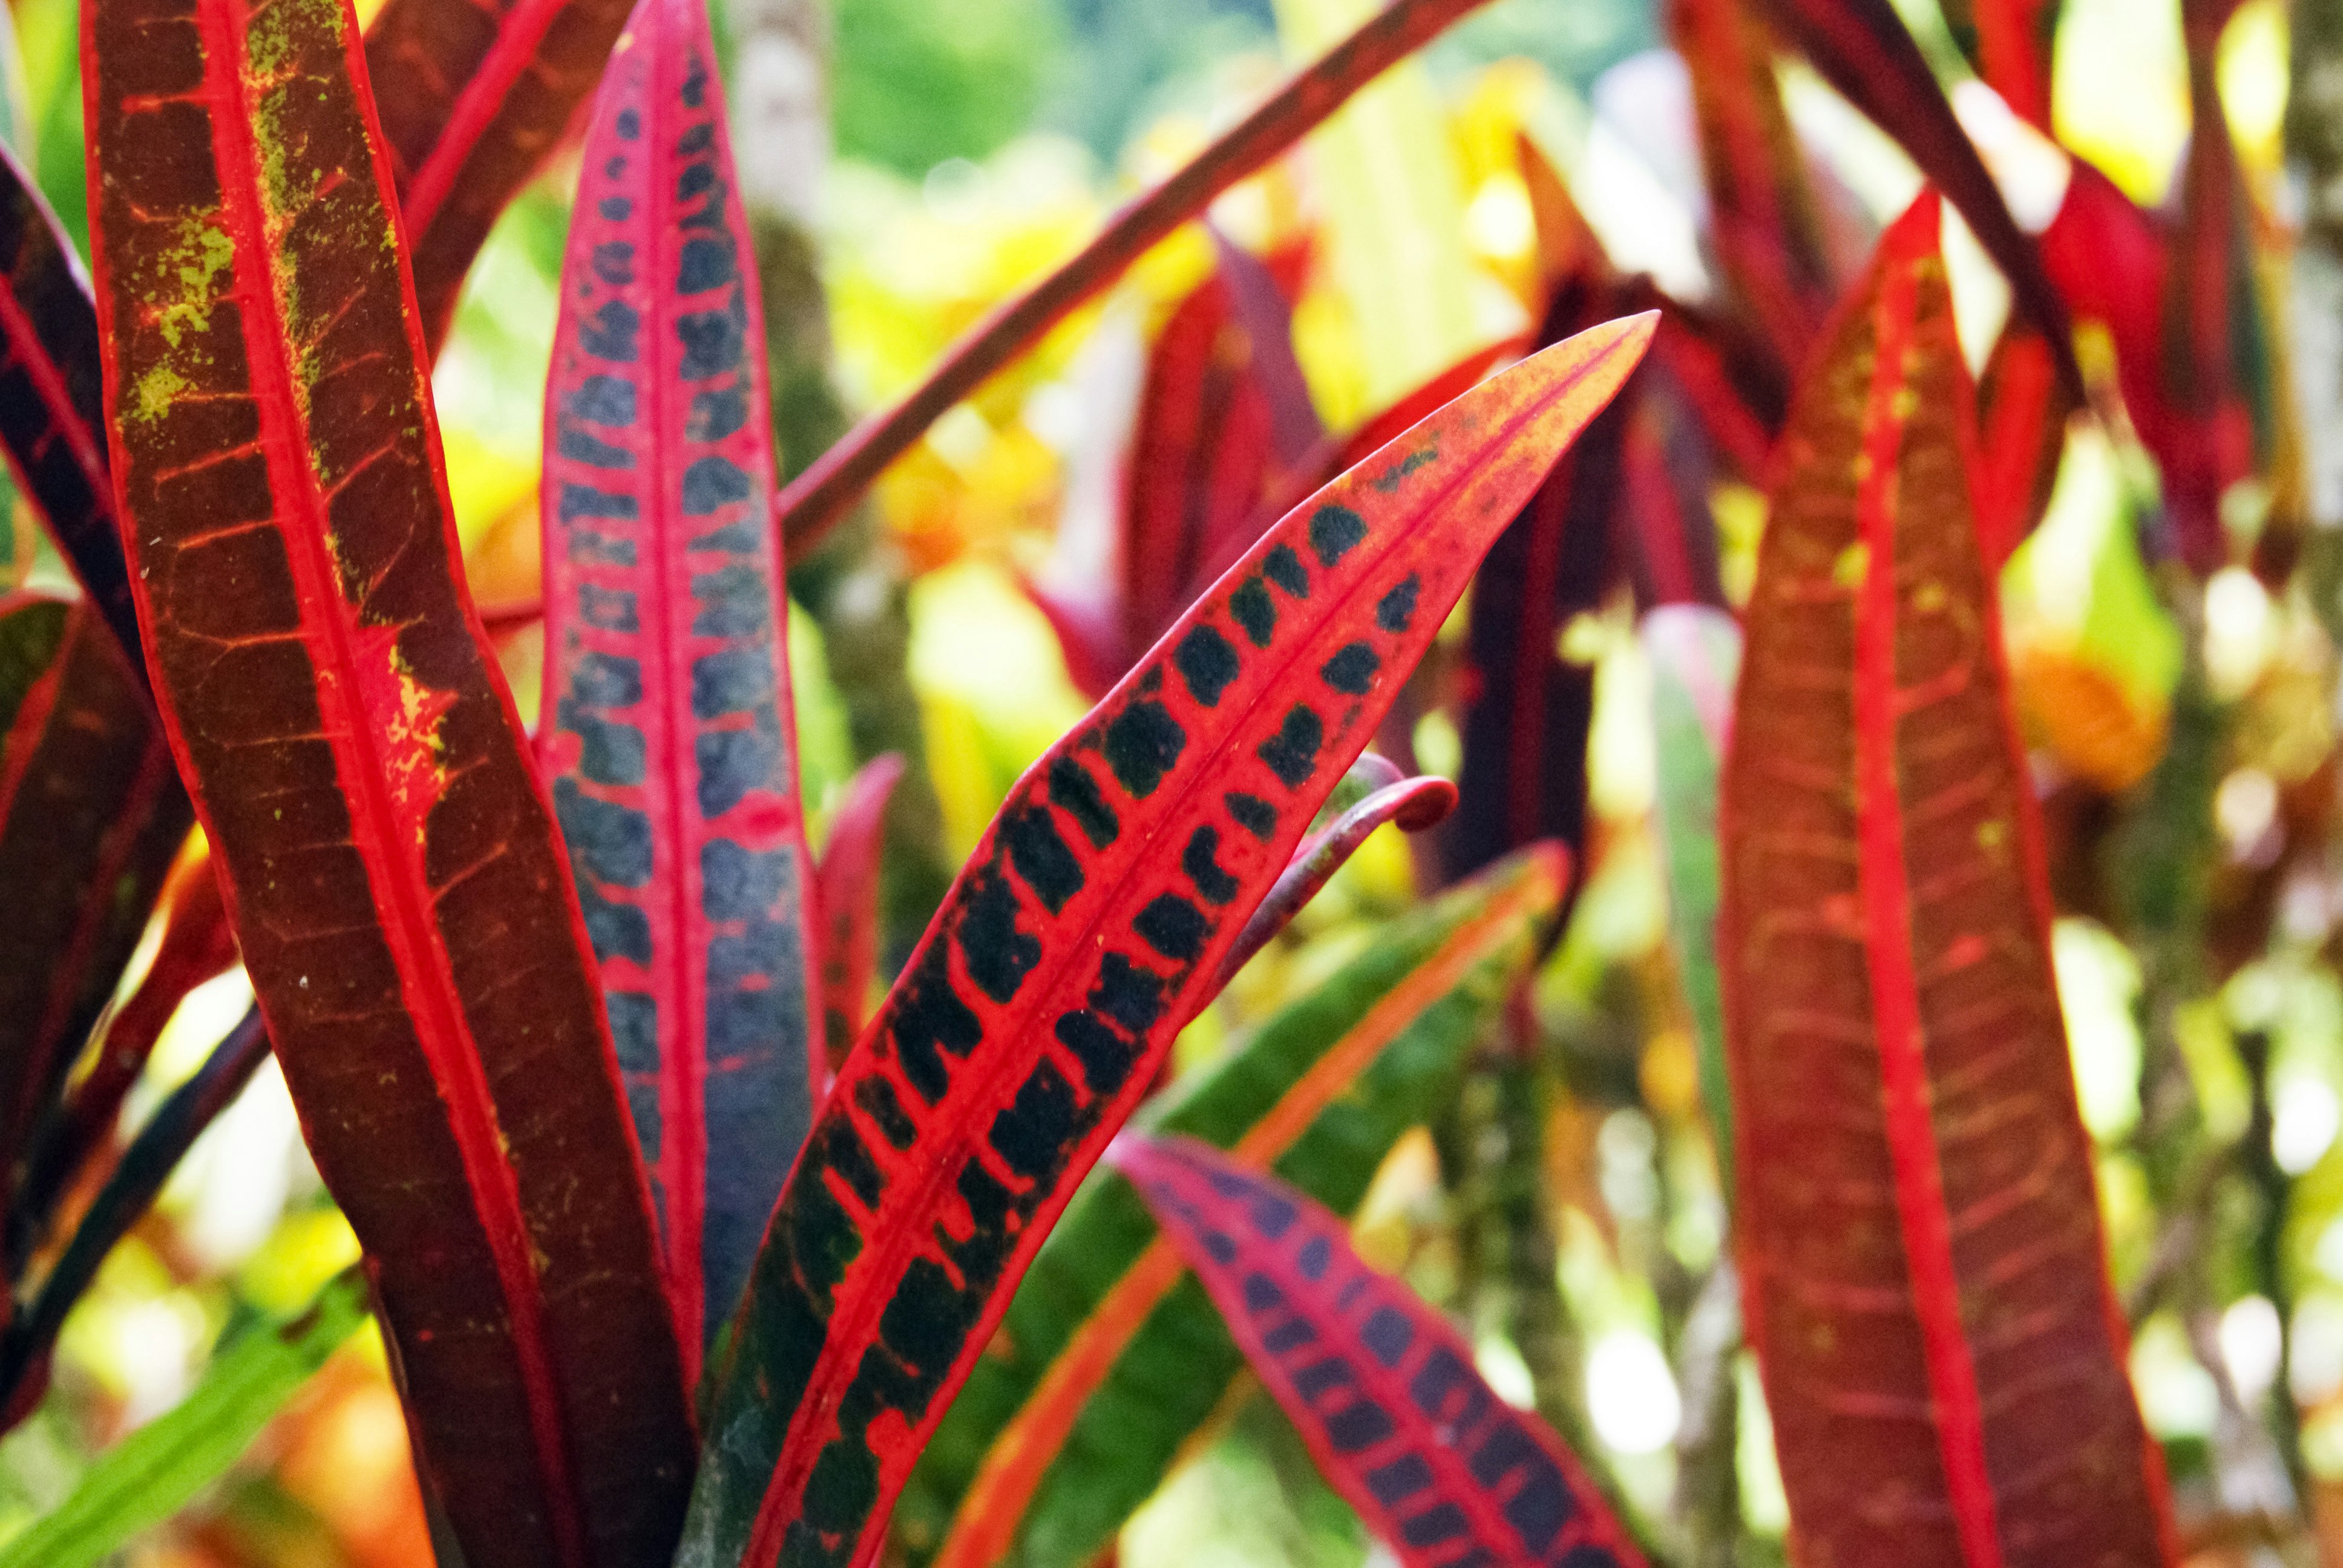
(683, 1253)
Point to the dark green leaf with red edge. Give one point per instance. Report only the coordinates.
(818, 499)
(1667, 468)
(130, 1190)
(196, 946)
(1110, 1360)
(1082, 934)
(1863, 48)
(1528, 712)
(1918, 1230)
(2010, 42)
(51, 381)
(474, 94)
(1765, 224)
(91, 815)
(391, 866)
(1382, 1389)
(848, 881)
(672, 743)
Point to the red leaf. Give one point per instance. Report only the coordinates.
(1666, 472)
(1863, 48)
(51, 424)
(1921, 1261)
(672, 747)
(392, 868)
(1382, 1389)
(2021, 437)
(473, 96)
(1762, 219)
(90, 818)
(1415, 804)
(818, 498)
(848, 881)
(1085, 931)
(2015, 40)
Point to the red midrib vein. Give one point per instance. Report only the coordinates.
(1955, 1406)
(518, 32)
(678, 952)
(896, 1242)
(410, 927)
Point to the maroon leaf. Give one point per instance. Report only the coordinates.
(51, 425)
(391, 866)
(1863, 48)
(1918, 1230)
(1382, 1389)
(1085, 931)
(848, 878)
(672, 747)
(473, 96)
(90, 818)
(1666, 470)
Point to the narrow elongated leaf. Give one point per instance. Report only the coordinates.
(1695, 655)
(1764, 222)
(1382, 1389)
(1524, 773)
(1667, 466)
(165, 1464)
(473, 96)
(1081, 936)
(848, 878)
(1863, 48)
(2021, 437)
(672, 745)
(2011, 43)
(392, 867)
(196, 946)
(1109, 1359)
(1414, 804)
(818, 498)
(130, 1190)
(51, 381)
(90, 818)
(1920, 1250)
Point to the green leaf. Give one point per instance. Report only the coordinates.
(158, 1469)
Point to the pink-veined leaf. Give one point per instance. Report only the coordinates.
(848, 878)
(389, 862)
(671, 746)
(1084, 931)
(1414, 805)
(1382, 1389)
(1922, 1264)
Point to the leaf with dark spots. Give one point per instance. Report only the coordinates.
(820, 497)
(91, 816)
(848, 881)
(1381, 1387)
(807, 1442)
(1109, 1359)
(1913, 1178)
(717, 870)
(1412, 805)
(334, 708)
(473, 96)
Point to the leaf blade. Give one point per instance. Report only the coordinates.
(1382, 1389)
(1063, 1432)
(671, 749)
(924, 1299)
(392, 869)
(1861, 918)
